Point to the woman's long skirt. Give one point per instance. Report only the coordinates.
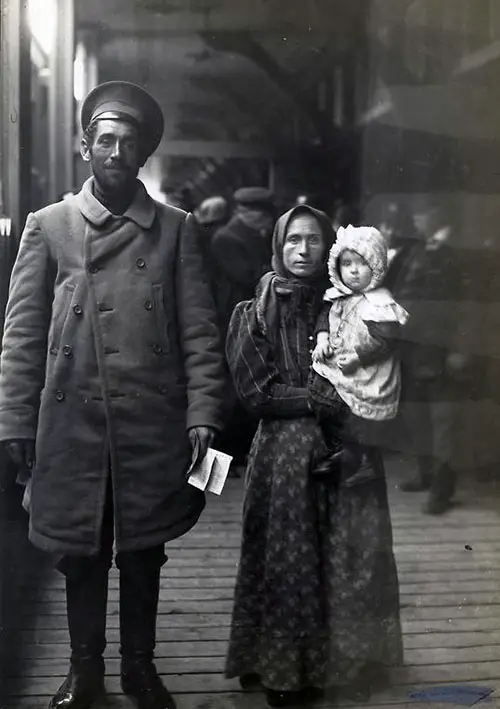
(316, 596)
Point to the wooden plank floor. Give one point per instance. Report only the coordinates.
(449, 570)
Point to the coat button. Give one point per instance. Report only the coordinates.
(148, 305)
(60, 396)
(140, 263)
(157, 349)
(77, 309)
(67, 350)
(93, 268)
(163, 389)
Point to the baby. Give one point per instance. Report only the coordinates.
(356, 373)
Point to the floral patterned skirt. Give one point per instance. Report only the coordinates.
(316, 596)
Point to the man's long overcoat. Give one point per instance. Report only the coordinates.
(110, 353)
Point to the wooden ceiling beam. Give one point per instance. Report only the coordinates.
(213, 149)
(224, 15)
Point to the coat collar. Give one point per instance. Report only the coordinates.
(142, 210)
(377, 296)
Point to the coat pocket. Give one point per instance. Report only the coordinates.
(60, 311)
(162, 322)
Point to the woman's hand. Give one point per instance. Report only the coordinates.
(347, 362)
(323, 349)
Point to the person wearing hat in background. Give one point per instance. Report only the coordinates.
(241, 249)
(210, 216)
(240, 254)
(112, 362)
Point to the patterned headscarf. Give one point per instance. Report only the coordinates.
(280, 281)
(280, 232)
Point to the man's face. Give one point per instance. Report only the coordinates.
(114, 155)
(263, 220)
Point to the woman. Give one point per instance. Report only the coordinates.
(316, 600)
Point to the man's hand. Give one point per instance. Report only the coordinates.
(200, 437)
(348, 362)
(22, 453)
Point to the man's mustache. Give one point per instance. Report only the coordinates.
(116, 166)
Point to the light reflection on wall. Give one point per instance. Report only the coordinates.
(42, 15)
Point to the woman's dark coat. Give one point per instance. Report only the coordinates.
(110, 354)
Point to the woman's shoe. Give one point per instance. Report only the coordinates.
(311, 694)
(282, 699)
(251, 680)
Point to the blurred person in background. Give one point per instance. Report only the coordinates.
(345, 214)
(240, 253)
(426, 283)
(210, 216)
(241, 249)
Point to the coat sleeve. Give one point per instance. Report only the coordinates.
(383, 335)
(322, 324)
(24, 348)
(256, 377)
(233, 259)
(200, 339)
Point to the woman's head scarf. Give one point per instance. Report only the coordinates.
(280, 232)
(279, 281)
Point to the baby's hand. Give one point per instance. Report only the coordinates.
(322, 351)
(348, 362)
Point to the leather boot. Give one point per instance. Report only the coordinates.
(86, 600)
(140, 681)
(442, 490)
(422, 479)
(139, 593)
(83, 686)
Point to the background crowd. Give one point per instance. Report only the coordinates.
(428, 273)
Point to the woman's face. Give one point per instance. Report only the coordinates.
(354, 271)
(303, 249)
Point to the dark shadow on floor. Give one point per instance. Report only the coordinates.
(22, 569)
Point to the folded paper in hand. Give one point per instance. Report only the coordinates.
(211, 473)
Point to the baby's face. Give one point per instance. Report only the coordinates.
(354, 271)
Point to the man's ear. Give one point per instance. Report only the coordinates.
(85, 150)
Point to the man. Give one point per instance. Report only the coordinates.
(428, 283)
(240, 253)
(210, 216)
(241, 250)
(111, 362)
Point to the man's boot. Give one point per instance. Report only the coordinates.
(139, 593)
(83, 686)
(442, 490)
(86, 598)
(422, 479)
